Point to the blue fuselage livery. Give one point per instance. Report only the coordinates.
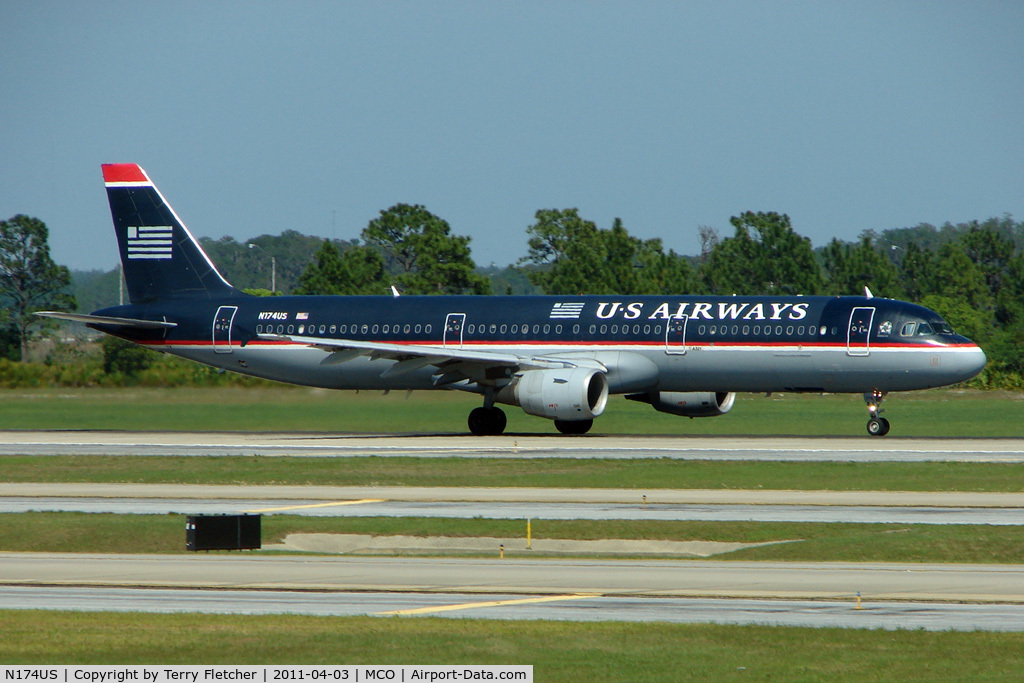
(557, 357)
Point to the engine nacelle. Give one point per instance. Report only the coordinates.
(688, 404)
(564, 394)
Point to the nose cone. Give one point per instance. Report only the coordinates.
(970, 362)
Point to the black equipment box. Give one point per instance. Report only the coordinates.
(223, 532)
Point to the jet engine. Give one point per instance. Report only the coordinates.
(688, 404)
(568, 394)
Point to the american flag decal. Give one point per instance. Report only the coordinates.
(568, 311)
(150, 242)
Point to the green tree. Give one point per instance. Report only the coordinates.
(571, 255)
(426, 256)
(916, 272)
(957, 277)
(765, 256)
(358, 270)
(29, 279)
(125, 358)
(568, 255)
(851, 267)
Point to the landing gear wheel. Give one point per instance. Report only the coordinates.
(878, 426)
(479, 422)
(499, 421)
(574, 426)
(487, 421)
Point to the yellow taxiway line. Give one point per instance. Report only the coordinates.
(490, 603)
(320, 505)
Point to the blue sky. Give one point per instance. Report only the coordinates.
(257, 117)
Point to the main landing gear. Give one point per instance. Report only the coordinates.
(877, 426)
(487, 421)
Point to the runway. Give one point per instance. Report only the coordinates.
(665, 578)
(868, 507)
(527, 510)
(780, 449)
(831, 613)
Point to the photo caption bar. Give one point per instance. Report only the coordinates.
(361, 673)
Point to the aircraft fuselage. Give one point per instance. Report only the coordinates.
(695, 343)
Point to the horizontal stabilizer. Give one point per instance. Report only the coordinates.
(108, 320)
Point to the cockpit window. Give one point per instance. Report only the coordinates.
(924, 329)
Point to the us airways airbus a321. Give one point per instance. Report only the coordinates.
(556, 357)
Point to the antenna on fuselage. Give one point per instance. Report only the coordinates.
(867, 293)
(394, 292)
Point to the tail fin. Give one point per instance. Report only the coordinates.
(160, 257)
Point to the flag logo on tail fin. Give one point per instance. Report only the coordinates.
(150, 242)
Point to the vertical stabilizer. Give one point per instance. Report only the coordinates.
(161, 258)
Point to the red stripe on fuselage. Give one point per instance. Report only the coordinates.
(437, 345)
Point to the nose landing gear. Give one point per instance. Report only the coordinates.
(877, 426)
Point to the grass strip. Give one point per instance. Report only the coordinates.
(558, 651)
(952, 413)
(655, 473)
(73, 532)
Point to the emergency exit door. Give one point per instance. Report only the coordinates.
(222, 322)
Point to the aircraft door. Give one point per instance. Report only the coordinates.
(859, 332)
(675, 336)
(222, 328)
(453, 326)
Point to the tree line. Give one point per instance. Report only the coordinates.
(971, 273)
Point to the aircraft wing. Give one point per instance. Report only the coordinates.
(453, 364)
(112, 321)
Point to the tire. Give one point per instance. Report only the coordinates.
(878, 426)
(498, 421)
(479, 421)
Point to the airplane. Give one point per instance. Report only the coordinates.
(556, 357)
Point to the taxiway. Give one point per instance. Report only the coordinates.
(786, 449)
